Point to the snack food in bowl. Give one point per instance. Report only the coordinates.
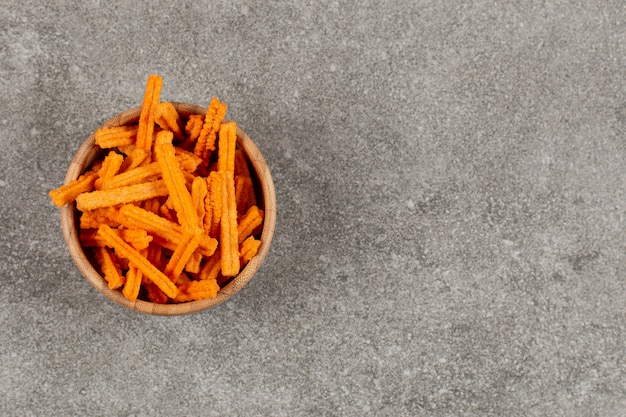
(168, 208)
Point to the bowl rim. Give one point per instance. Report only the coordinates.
(85, 156)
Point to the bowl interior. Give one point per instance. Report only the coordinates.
(266, 199)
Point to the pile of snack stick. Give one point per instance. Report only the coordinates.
(170, 210)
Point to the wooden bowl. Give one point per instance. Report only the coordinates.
(266, 199)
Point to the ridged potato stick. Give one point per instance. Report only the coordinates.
(113, 137)
(151, 222)
(156, 225)
(243, 189)
(137, 238)
(124, 250)
(227, 147)
(133, 283)
(169, 213)
(134, 158)
(248, 249)
(110, 167)
(154, 256)
(250, 221)
(94, 218)
(111, 271)
(194, 126)
(145, 128)
(122, 195)
(152, 205)
(68, 193)
(213, 204)
(192, 131)
(188, 161)
(193, 264)
(197, 290)
(175, 181)
(182, 254)
(228, 224)
(212, 267)
(133, 176)
(167, 118)
(198, 195)
(212, 122)
(228, 229)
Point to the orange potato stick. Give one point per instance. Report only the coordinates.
(197, 290)
(114, 137)
(154, 257)
(193, 264)
(133, 216)
(212, 121)
(97, 165)
(134, 158)
(133, 283)
(124, 250)
(248, 249)
(111, 271)
(137, 238)
(250, 221)
(213, 204)
(182, 254)
(228, 229)
(228, 222)
(242, 169)
(189, 177)
(110, 167)
(167, 118)
(92, 219)
(68, 193)
(212, 267)
(194, 126)
(126, 150)
(152, 205)
(137, 175)
(227, 146)
(168, 203)
(175, 181)
(192, 130)
(113, 214)
(151, 222)
(122, 195)
(165, 244)
(145, 128)
(168, 213)
(155, 254)
(89, 220)
(188, 161)
(243, 188)
(198, 195)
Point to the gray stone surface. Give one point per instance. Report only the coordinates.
(451, 183)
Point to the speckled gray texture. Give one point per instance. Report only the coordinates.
(451, 186)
